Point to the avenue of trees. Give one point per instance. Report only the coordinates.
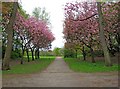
(94, 26)
(23, 33)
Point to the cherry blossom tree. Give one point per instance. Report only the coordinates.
(20, 28)
(81, 24)
(79, 21)
(110, 17)
(39, 31)
(29, 31)
(33, 32)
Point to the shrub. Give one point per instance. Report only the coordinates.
(69, 53)
(16, 54)
(98, 53)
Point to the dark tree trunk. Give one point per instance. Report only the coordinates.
(9, 30)
(22, 56)
(76, 53)
(92, 54)
(36, 54)
(32, 51)
(84, 54)
(27, 51)
(23, 50)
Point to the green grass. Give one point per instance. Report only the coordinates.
(85, 66)
(49, 57)
(36, 66)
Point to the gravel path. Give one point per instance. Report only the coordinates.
(58, 74)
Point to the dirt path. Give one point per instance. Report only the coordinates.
(59, 75)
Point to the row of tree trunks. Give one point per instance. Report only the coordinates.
(34, 52)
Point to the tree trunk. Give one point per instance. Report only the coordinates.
(92, 55)
(23, 50)
(84, 54)
(102, 37)
(27, 51)
(32, 51)
(38, 53)
(76, 53)
(9, 31)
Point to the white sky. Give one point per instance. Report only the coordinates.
(56, 10)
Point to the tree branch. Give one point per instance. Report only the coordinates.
(85, 18)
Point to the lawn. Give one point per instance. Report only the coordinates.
(85, 66)
(49, 57)
(31, 67)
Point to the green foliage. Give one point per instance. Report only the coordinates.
(83, 66)
(69, 53)
(25, 54)
(35, 66)
(40, 13)
(98, 53)
(57, 51)
(23, 12)
(49, 57)
(16, 54)
(46, 53)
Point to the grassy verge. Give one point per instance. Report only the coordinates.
(35, 66)
(84, 66)
(49, 57)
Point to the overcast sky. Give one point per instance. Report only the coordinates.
(56, 10)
